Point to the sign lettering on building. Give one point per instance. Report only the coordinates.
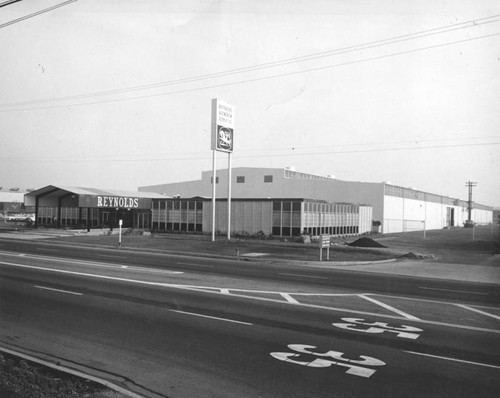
(222, 126)
(117, 202)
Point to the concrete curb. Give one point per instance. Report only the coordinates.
(73, 372)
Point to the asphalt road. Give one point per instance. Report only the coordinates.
(181, 326)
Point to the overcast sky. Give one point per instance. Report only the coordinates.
(117, 94)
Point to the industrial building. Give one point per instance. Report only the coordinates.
(75, 207)
(58, 206)
(394, 208)
(278, 202)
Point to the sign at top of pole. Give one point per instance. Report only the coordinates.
(222, 126)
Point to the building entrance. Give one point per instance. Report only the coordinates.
(110, 218)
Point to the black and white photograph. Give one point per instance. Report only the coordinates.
(249, 199)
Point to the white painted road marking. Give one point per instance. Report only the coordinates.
(453, 359)
(216, 290)
(197, 265)
(478, 311)
(58, 290)
(406, 332)
(388, 307)
(454, 291)
(335, 358)
(289, 298)
(212, 317)
(303, 276)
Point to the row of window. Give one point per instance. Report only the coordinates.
(241, 179)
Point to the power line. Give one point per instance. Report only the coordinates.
(36, 13)
(295, 154)
(9, 2)
(304, 58)
(252, 80)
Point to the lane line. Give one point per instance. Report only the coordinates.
(44, 249)
(58, 290)
(478, 311)
(303, 276)
(388, 307)
(453, 359)
(212, 317)
(215, 290)
(95, 264)
(110, 256)
(450, 290)
(224, 291)
(197, 265)
(289, 298)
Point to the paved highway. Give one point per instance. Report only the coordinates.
(175, 326)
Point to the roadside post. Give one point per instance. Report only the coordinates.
(324, 241)
(120, 222)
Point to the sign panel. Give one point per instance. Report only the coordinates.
(324, 241)
(117, 202)
(222, 126)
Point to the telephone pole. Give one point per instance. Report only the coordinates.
(470, 184)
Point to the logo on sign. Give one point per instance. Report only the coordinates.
(225, 138)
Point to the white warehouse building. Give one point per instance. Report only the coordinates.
(394, 208)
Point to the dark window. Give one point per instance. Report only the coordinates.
(268, 178)
(277, 206)
(240, 179)
(296, 206)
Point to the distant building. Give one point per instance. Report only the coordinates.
(395, 208)
(496, 215)
(11, 201)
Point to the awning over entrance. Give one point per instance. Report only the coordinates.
(90, 207)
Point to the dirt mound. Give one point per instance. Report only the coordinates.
(365, 242)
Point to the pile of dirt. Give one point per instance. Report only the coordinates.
(415, 256)
(365, 242)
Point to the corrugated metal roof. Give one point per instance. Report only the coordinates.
(96, 191)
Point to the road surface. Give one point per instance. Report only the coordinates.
(178, 326)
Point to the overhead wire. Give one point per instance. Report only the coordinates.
(14, 21)
(251, 80)
(8, 3)
(238, 156)
(274, 64)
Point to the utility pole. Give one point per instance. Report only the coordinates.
(470, 184)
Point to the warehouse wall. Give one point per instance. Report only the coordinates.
(246, 216)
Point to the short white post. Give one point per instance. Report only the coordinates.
(120, 223)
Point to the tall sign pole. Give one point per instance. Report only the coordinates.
(222, 141)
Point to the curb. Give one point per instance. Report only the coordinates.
(73, 372)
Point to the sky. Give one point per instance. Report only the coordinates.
(117, 95)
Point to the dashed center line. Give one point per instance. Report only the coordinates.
(450, 290)
(212, 317)
(58, 290)
(303, 276)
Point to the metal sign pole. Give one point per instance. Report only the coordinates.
(214, 180)
(229, 195)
